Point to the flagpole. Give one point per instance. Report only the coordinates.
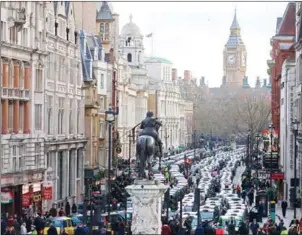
(152, 44)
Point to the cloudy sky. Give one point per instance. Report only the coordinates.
(192, 35)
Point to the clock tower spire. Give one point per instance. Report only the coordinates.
(234, 56)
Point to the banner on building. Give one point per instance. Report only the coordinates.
(26, 197)
(6, 196)
(47, 192)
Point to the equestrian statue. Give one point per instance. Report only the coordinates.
(148, 145)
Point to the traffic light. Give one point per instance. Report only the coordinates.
(292, 193)
(173, 203)
(114, 205)
(188, 161)
(167, 199)
(196, 199)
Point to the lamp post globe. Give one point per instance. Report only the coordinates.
(110, 115)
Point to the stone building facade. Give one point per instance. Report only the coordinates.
(22, 141)
(64, 106)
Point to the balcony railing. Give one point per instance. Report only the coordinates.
(15, 94)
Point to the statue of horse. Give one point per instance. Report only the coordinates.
(146, 150)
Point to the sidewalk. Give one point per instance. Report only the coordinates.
(287, 219)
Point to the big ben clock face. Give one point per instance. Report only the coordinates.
(231, 59)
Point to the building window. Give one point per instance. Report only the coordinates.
(71, 72)
(102, 104)
(39, 83)
(102, 30)
(24, 37)
(102, 82)
(37, 154)
(13, 35)
(3, 31)
(49, 115)
(21, 116)
(101, 150)
(70, 118)
(62, 28)
(129, 57)
(61, 116)
(101, 129)
(107, 32)
(78, 115)
(10, 115)
(38, 117)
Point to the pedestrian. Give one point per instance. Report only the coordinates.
(284, 207)
(23, 229)
(254, 227)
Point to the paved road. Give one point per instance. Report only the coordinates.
(237, 177)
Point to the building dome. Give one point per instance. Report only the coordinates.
(131, 29)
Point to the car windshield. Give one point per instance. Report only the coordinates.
(76, 220)
(206, 215)
(188, 208)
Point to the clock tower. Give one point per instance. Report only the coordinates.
(234, 57)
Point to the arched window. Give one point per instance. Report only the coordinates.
(102, 28)
(129, 57)
(11, 75)
(22, 74)
(106, 31)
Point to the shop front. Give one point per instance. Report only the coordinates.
(21, 193)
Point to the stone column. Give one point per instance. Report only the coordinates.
(27, 77)
(4, 102)
(16, 84)
(5, 117)
(66, 173)
(27, 103)
(145, 195)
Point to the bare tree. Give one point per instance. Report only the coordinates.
(246, 110)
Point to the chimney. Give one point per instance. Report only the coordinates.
(174, 74)
(264, 82)
(187, 75)
(258, 82)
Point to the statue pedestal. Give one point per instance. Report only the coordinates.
(146, 203)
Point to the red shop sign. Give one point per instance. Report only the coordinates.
(47, 192)
(278, 176)
(26, 199)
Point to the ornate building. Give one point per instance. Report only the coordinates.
(22, 147)
(64, 101)
(132, 82)
(234, 57)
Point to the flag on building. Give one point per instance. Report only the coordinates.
(149, 35)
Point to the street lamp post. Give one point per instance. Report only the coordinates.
(110, 118)
(257, 161)
(271, 127)
(295, 125)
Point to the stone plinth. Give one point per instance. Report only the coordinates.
(146, 203)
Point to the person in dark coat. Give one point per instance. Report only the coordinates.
(38, 222)
(52, 230)
(3, 225)
(284, 207)
(199, 230)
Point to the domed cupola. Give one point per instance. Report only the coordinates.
(131, 30)
(131, 44)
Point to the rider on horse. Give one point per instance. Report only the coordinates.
(149, 128)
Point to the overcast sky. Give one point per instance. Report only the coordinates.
(192, 35)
